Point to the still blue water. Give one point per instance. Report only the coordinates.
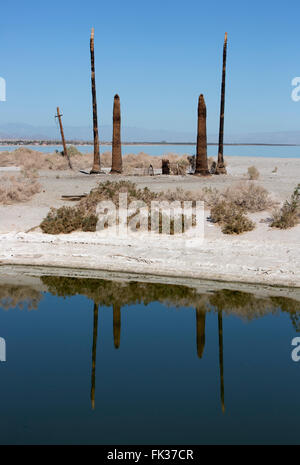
(212, 150)
(170, 366)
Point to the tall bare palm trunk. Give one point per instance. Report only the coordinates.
(116, 166)
(201, 155)
(96, 165)
(220, 165)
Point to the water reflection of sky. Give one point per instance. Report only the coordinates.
(160, 364)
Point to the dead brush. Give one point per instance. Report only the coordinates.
(288, 215)
(251, 197)
(253, 173)
(21, 188)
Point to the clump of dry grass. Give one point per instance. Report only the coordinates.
(289, 214)
(21, 188)
(253, 173)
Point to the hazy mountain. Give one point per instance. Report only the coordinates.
(129, 134)
(133, 134)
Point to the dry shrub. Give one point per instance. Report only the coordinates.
(23, 157)
(68, 219)
(111, 190)
(289, 214)
(229, 207)
(207, 194)
(141, 160)
(106, 159)
(21, 188)
(33, 159)
(251, 197)
(73, 151)
(253, 173)
(83, 216)
(231, 217)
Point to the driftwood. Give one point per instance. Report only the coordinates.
(74, 197)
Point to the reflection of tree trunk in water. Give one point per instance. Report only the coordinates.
(200, 325)
(117, 325)
(220, 326)
(95, 333)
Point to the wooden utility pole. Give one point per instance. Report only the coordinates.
(96, 165)
(63, 138)
(220, 165)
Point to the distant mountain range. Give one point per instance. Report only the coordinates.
(133, 134)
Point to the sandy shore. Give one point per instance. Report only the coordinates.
(264, 255)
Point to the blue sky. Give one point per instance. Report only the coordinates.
(158, 56)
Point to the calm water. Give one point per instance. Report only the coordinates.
(245, 150)
(101, 362)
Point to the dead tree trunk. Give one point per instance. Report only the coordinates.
(96, 165)
(63, 138)
(221, 166)
(116, 166)
(201, 155)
